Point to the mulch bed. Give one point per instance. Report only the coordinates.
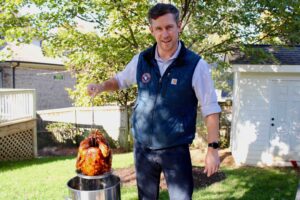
(128, 177)
(58, 151)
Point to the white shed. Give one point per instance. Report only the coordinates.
(266, 108)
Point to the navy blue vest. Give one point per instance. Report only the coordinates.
(165, 111)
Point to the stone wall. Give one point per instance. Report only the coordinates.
(49, 85)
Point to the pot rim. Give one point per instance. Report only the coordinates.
(106, 174)
(118, 183)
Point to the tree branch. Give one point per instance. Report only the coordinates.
(134, 43)
(189, 7)
(185, 8)
(221, 43)
(122, 36)
(85, 19)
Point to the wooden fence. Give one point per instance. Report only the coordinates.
(112, 119)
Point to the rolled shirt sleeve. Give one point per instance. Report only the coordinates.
(204, 89)
(127, 77)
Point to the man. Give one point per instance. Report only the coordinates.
(171, 80)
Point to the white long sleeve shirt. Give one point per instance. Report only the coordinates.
(201, 82)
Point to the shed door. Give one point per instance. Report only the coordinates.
(285, 119)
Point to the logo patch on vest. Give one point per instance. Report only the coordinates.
(146, 77)
(174, 81)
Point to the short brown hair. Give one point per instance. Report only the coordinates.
(161, 9)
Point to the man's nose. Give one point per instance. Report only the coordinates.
(165, 33)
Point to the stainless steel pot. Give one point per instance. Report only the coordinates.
(107, 188)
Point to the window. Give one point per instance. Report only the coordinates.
(58, 77)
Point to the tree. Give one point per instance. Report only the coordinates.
(211, 28)
(13, 26)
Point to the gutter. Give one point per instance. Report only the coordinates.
(36, 65)
(30, 62)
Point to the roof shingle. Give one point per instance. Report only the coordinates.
(268, 54)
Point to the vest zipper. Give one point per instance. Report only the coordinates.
(154, 107)
(159, 91)
(164, 89)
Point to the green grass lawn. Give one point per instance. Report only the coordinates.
(46, 178)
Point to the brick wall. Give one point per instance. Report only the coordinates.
(50, 92)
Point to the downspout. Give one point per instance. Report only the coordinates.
(225, 57)
(1, 77)
(14, 74)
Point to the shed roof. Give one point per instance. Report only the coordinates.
(267, 54)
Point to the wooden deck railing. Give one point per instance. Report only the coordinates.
(18, 138)
(16, 104)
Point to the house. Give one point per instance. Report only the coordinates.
(266, 107)
(27, 67)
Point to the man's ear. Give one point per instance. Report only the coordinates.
(179, 25)
(151, 29)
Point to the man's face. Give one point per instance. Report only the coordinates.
(166, 31)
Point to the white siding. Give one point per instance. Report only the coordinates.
(250, 140)
(252, 118)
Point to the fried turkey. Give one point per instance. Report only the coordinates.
(94, 155)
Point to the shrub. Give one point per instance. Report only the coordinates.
(65, 133)
(69, 134)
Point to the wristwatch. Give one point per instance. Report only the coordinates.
(214, 145)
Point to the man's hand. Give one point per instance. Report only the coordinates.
(108, 85)
(94, 89)
(212, 162)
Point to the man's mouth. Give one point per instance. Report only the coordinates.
(166, 41)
